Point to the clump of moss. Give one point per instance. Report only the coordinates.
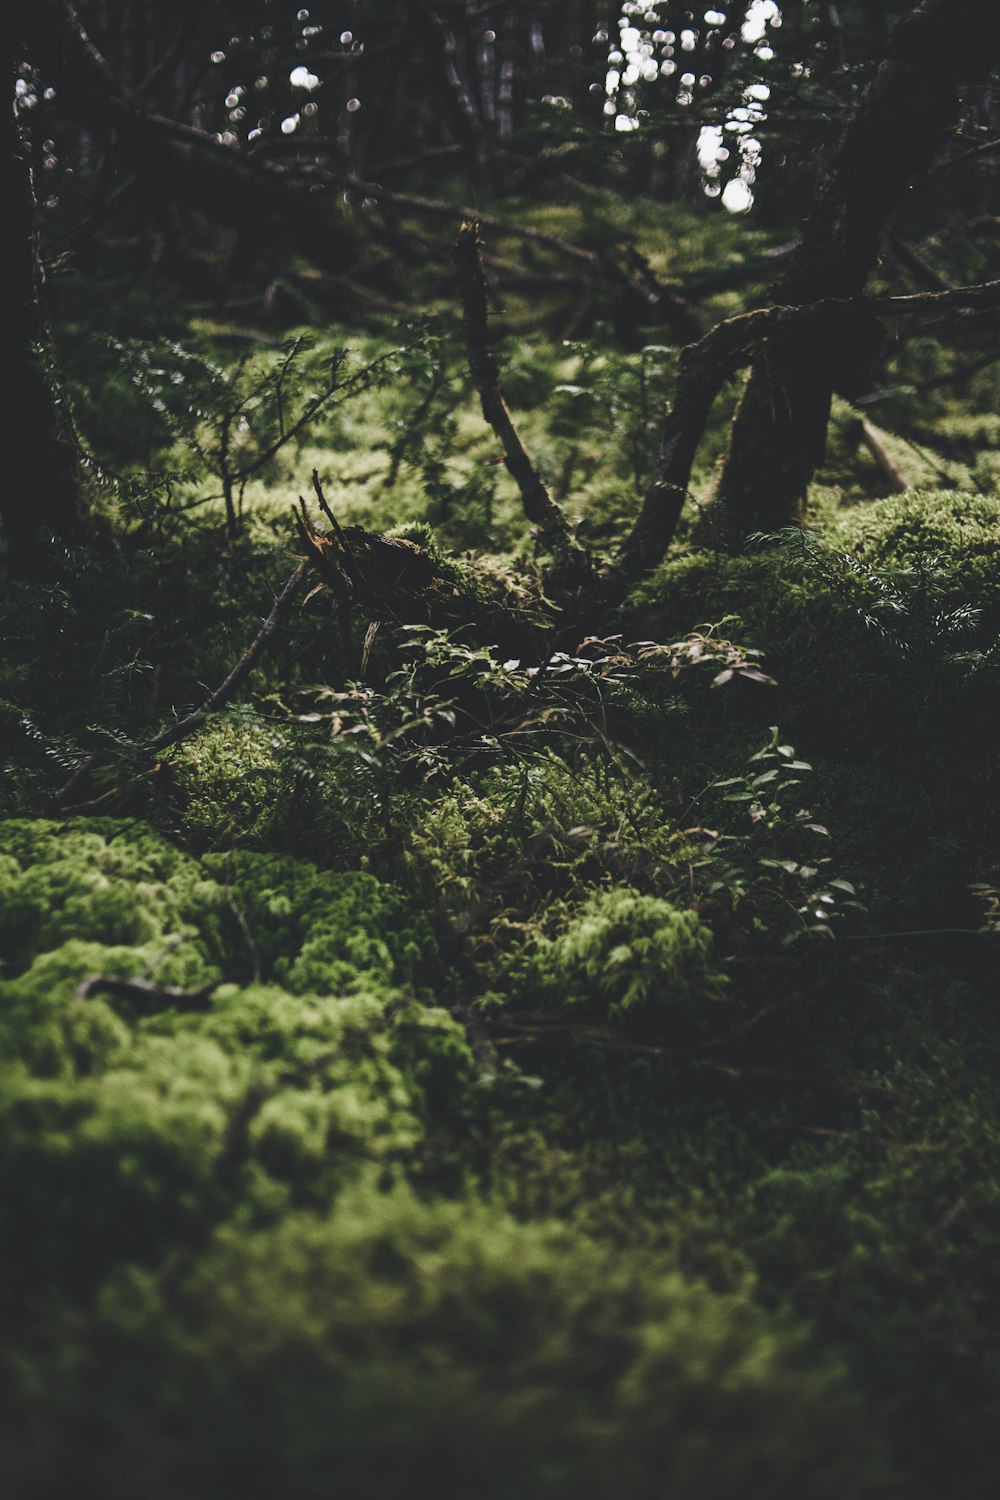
(881, 630)
(318, 930)
(97, 881)
(231, 784)
(399, 1349)
(627, 956)
(945, 540)
(499, 846)
(134, 1119)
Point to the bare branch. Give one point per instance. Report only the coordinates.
(539, 506)
(872, 439)
(149, 993)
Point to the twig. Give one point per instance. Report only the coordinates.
(442, 207)
(911, 260)
(956, 161)
(951, 377)
(880, 937)
(245, 932)
(349, 560)
(243, 667)
(221, 695)
(605, 1039)
(336, 561)
(143, 989)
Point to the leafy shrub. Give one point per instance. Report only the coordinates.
(397, 1350)
(768, 876)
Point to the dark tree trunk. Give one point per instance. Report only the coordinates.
(779, 433)
(39, 499)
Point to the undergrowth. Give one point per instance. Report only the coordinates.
(456, 1069)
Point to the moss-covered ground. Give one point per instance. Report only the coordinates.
(448, 1078)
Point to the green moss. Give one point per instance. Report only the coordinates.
(217, 1278)
(131, 1122)
(95, 881)
(317, 929)
(399, 1349)
(946, 540)
(881, 630)
(496, 849)
(230, 783)
(626, 955)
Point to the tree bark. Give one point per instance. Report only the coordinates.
(706, 366)
(39, 498)
(904, 115)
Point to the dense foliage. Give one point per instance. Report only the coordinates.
(538, 1034)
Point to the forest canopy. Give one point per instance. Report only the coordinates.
(499, 874)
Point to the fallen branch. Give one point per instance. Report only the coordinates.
(951, 162)
(443, 208)
(872, 439)
(950, 377)
(514, 1031)
(911, 260)
(147, 992)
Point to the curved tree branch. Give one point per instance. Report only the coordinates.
(706, 366)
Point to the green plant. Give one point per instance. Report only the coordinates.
(234, 420)
(452, 702)
(772, 868)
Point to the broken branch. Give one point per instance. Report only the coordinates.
(147, 992)
(538, 504)
(872, 439)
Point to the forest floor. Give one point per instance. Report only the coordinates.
(562, 1070)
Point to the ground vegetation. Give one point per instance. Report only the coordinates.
(499, 886)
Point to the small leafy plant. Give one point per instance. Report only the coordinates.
(773, 866)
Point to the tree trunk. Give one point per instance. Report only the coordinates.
(39, 499)
(779, 433)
